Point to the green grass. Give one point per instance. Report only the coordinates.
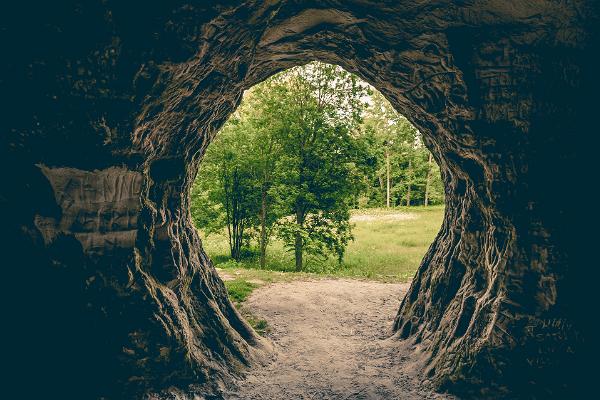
(391, 250)
(239, 289)
(385, 249)
(259, 325)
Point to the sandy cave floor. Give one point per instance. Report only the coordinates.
(331, 342)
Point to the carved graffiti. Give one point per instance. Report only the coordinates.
(99, 208)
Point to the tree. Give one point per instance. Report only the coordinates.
(267, 159)
(225, 191)
(404, 172)
(398, 148)
(235, 165)
(320, 106)
(428, 181)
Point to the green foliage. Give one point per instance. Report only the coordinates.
(322, 234)
(304, 148)
(389, 134)
(290, 149)
(320, 108)
(237, 169)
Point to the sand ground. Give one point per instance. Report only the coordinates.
(332, 342)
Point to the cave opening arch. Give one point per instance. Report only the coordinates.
(458, 293)
(493, 90)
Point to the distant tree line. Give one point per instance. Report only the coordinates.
(403, 172)
(304, 148)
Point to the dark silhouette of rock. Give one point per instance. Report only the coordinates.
(110, 106)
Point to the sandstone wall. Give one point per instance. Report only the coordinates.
(111, 107)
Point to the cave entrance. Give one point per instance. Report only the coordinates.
(315, 178)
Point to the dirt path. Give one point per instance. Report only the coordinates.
(330, 342)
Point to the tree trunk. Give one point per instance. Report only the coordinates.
(387, 177)
(237, 246)
(382, 191)
(263, 227)
(298, 242)
(409, 183)
(428, 181)
(298, 252)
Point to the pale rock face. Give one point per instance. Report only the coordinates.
(116, 104)
(99, 208)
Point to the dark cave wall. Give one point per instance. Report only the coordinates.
(490, 300)
(113, 105)
(111, 294)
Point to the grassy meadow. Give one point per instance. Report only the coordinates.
(388, 246)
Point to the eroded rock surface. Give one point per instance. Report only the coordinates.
(98, 208)
(111, 295)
